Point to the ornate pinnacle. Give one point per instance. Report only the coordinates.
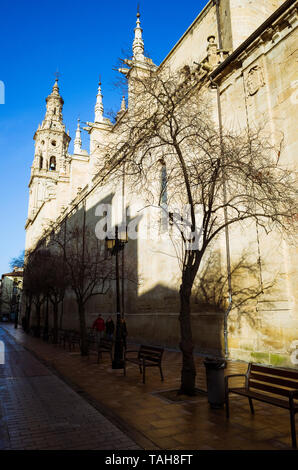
(138, 43)
(123, 104)
(78, 140)
(99, 105)
(55, 90)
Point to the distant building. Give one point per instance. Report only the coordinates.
(11, 294)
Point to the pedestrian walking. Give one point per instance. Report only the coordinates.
(99, 325)
(110, 328)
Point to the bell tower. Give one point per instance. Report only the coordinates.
(51, 160)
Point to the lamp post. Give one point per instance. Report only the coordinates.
(115, 245)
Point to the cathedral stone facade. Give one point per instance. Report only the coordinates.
(248, 50)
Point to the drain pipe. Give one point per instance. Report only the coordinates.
(226, 313)
(214, 84)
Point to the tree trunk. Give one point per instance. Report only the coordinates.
(45, 335)
(55, 321)
(188, 373)
(37, 312)
(83, 331)
(28, 312)
(61, 314)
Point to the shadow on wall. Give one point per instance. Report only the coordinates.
(153, 317)
(84, 222)
(156, 322)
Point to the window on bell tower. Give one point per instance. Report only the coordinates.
(40, 162)
(52, 166)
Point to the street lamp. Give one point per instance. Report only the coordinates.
(114, 246)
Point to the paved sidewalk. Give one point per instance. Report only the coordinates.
(156, 423)
(39, 411)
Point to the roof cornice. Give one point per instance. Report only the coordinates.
(234, 55)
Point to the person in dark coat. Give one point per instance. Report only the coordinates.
(110, 327)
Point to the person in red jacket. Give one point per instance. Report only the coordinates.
(99, 325)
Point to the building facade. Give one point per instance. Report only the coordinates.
(11, 294)
(247, 50)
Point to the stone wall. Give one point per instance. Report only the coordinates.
(259, 91)
(259, 87)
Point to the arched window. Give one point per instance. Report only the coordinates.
(52, 166)
(54, 110)
(40, 162)
(163, 195)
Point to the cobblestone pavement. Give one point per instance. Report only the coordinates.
(39, 411)
(152, 421)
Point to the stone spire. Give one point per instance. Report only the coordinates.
(122, 109)
(54, 108)
(55, 90)
(123, 104)
(138, 43)
(138, 59)
(99, 105)
(78, 140)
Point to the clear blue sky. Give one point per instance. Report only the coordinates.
(82, 40)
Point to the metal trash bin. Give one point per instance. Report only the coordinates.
(215, 381)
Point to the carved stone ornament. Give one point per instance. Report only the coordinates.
(212, 56)
(254, 80)
(50, 190)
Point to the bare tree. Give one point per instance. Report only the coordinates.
(8, 299)
(54, 285)
(211, 287)
(28, 306)
(222, 177)
(87, 268)
(35, 285)
(58, 286)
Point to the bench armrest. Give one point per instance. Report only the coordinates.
(227, 377)
(149, 358)
(129, 351)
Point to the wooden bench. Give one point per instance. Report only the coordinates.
(278, 387)
(51, 335)
(104, 346)
(100, 346)
(147, 356)
(62, 336)
(73, 338)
